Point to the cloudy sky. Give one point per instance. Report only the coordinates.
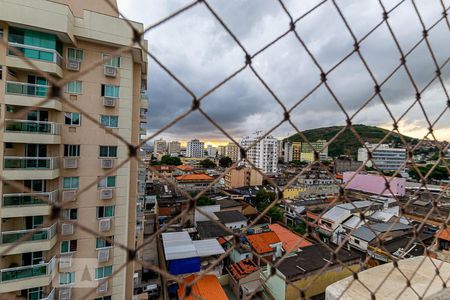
(196, 48)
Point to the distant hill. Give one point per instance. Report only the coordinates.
(347, 143)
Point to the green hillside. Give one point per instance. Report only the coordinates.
(347, 143)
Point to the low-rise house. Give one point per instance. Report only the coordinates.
(210, 230)
(194, 182)
(367, 234)
(311, 264)
(232, 219)
(374, 184)
(443, 239)
(267, 244)
(401, 247)
(227, 204)
(291, 241)
(245, 279)
(206, 287)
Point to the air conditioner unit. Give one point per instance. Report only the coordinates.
(103, 255)
(104, 225)
(65, 261)
(110, 71)
(65, 293)
(106, 194)
(73, 65)
(66, 229)
(106, 163)
(103, 288)
(69, 195)
(70, 162)
(109, 101)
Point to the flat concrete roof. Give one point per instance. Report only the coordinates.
(348, 288)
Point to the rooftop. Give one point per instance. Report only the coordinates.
(209, 229)
(194, 177)
(207, 288)
(185, 168)
(179, 245)
(291, 241)
(227, 203)
(261, 241)
(230, 216)
(444, 234)
(369, 232)
(242, 269)
(313, 258)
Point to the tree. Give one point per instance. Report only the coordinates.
(203, 200)
(439, 173)
(225, 162)
(276, 214)
(169, 160)
(263, 198)
(207, 164)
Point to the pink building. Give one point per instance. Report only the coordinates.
(374, 184)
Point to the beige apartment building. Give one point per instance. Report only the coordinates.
(232, 151)
(52, 150)
(242, 176)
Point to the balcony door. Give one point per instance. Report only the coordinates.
(34, 153)
(36, 185)
(37, 86)
(34, 221)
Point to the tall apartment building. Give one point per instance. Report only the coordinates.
(232, 151)
(264, 154)
(384, 157)
(296, 151)
(211, 151)
(159, 147)
(242, 176)
(287, 151)
(174, 147)
(195, 148)
(308, 149)
(52, 151)
(221, 151)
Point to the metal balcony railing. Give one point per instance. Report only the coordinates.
(31, 163)
(18, 273)
(27, 199)
(40, 127)
(39, 235)
(38, 53)
(26, 89)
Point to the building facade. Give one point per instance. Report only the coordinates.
(241, 176)
(232, 151)
(211, 151)
(159, 147)
(174, 147)
(195, 148)
(383, 157)
(52, 151)
(263, 154)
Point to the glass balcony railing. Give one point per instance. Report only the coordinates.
(27, 199)
(43, 234)
(38, 53)
(32, 127)
(26, 89)
(49, 296)
(31, 163)
(17, 273)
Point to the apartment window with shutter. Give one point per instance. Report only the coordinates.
(69, 214)
(109, 90)
(107, 182)
(71, 150)
(72, 119)
(66, 278)
(109, 121)
(69, 246)
(74, 87)
(102, 243)
(111, 62)
(108, 151)
(103, 272)
(105, 211)
(75, 54)
(71, 182)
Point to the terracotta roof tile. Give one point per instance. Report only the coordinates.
(193, 177)
(207, 288)
(242, 269)
(291, 241)
(261, 241)
(444, 234)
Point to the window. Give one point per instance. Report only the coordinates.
(66, 278)
(69, 214)
(9, 146)
(109, 121)
(103, 272)
(72, 119)
(108, 151)
(105, 211)
(112, 62)
(75, 54)
(1, 33)
(71, 150)
(74, 87)
(102, 243)
(1, 72)
(107, 182)
(356, 241)
(69, 246)
(110, 91)
(71, 182)
(104, 298)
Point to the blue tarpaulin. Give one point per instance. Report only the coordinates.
(184, 265)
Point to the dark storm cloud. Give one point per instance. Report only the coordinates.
(201, 53)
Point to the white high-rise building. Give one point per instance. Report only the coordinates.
(159, 147)
(174, 147)
(264, 154)
(211, 151)
(195, 148)
(384, 157)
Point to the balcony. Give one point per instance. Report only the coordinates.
(32, 132)
(41, 240)
(47, 60)
(27, 204)
(144, 101)
(23, 168)
(26, 277)
(27, 94)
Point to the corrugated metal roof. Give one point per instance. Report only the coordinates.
(366, 234)
(335, 213)
(353, 222)
(178, 245)
(208, 247)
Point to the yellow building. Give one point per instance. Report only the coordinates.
(241, 176)
(293, 192)
(296, 151)
(52, 151)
